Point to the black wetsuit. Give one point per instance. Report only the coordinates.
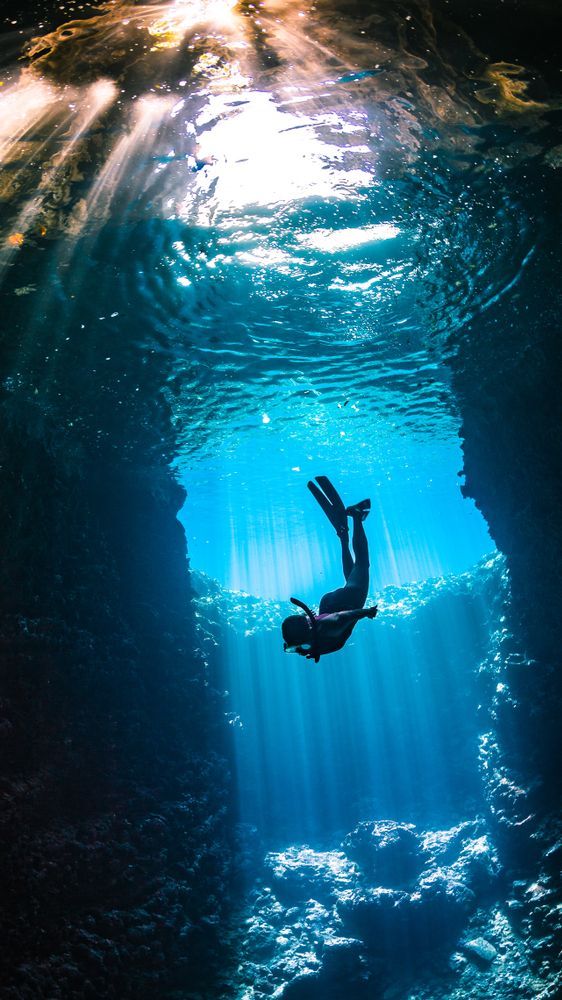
(353, 595)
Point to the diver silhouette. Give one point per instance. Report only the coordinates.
(313, 635)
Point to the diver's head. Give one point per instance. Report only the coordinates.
(296, 630)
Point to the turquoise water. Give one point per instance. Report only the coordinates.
(387, 727)
(266, 536)
(269, 239)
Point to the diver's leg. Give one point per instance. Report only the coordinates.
(360, 543)
(333, 506)
(346, 557)
(354, 594)
(358, 580)
(339, 600)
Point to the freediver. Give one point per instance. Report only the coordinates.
(313, 635)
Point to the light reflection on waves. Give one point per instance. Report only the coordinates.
(484, 238)
(42, 132)
(288, 335)
(231, 279)
(21, 108)
(270, 354)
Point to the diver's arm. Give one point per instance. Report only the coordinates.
(339, 624)
(349, 617)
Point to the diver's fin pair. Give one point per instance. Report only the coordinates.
(331, 503)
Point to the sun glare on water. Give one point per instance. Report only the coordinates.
(259, 155)
(169, 30)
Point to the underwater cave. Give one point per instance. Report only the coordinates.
(247, 247)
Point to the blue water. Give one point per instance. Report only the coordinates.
(282, 256)
(387, 727)
(267, 537)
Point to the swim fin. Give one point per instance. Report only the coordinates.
(331, 503)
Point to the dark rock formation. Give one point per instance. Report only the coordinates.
(115, 782)
(114, 829)
(115, 787)
(506, 379)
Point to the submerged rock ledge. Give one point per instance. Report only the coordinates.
(116, 793)
(421, 907)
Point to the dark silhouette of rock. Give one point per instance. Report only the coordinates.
(116, 788)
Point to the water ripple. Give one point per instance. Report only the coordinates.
(303, 222)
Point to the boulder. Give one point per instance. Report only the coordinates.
(388, 852)
(481, 950)
(299, 873)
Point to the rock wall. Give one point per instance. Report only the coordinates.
(116, 789)
(506, 375)
(116, 794)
